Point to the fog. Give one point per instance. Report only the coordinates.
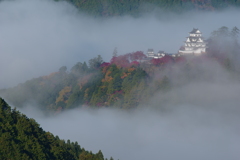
(196, 119)
(40, 36)
(199, 120)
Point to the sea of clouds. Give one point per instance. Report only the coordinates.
(199, 122)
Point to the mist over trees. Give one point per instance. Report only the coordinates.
(127, 81)
(224, 45)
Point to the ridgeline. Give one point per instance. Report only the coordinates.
(108, 8)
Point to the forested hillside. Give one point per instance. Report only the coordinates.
(136, 7)
(127, 81)
(21, 138)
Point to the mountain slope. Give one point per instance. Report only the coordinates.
(22, 138)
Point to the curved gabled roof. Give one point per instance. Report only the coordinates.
(195, 30)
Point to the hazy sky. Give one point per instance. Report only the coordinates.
(37, 37)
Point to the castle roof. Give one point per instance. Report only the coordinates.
(195, 30)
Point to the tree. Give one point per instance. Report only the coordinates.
(224, 43)
(23, 139)
(222, 32)
(115, 52)
(79, 68)
(63, 69)
(235, 33)
(95, 63)
(137, 56)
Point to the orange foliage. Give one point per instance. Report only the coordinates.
(104, 70)
(124, 75)
(86, 93)
(63, 94)
(103, 86)
(50, 75)
(107, 78)
(131, 69)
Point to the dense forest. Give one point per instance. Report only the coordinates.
(127, 81)
(136, 7)
(22, 138)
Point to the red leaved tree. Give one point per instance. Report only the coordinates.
(164, 60)
(128, 59)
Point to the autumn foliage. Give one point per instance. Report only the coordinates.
(164, 60)
(127, 80)
(128, 60)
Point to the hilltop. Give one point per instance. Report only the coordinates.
(124, 82)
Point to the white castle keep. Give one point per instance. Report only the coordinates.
(194, 45)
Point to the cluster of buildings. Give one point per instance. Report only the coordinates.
(194, 45)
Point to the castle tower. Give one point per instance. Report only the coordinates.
(150, 53)
(194, 45)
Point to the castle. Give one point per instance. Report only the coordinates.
(151, 54)
(194, 45)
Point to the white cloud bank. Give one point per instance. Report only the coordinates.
(183, 131)
(37, 37)
(197, 120)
